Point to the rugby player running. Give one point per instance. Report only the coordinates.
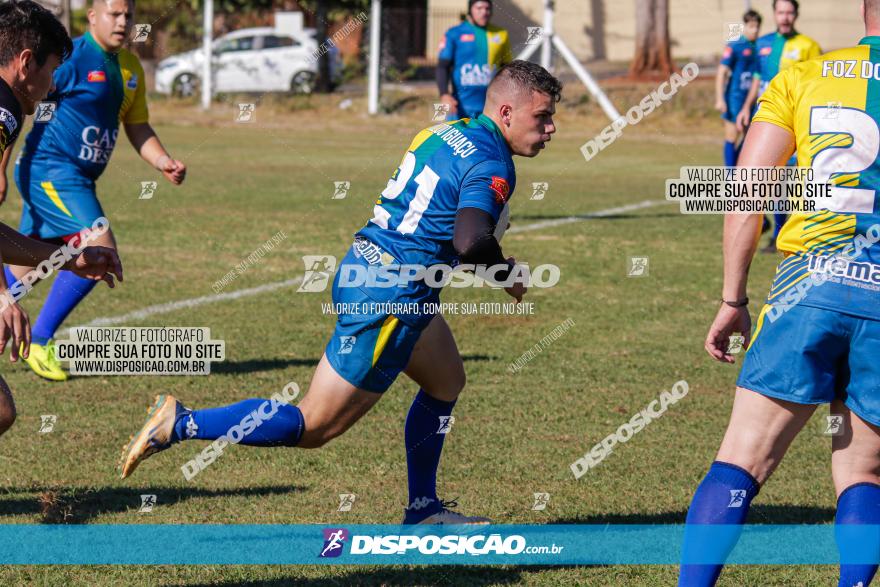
(441, 206)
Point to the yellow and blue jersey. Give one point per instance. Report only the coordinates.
(476, 53)
(777, 52)
(449, 166)
(832, 107)
(95, 90)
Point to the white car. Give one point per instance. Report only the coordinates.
(248, 60)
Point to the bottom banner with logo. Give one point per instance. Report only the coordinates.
(474, 545)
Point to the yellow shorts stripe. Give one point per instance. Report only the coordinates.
(760, 324)
(384, 334)
(53, 195)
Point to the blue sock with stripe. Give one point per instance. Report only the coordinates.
(722, 500)
(257, 422)
(858, 505)
(427, 423)
(66, 293)
(729, 154)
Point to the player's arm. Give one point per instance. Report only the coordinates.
(474, 241)
(445, 60)
(766, 145)
(745, 115)
(145, 141)
(721, 80)
(4, 165)
(95, 263)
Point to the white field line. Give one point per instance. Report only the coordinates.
(261, 289)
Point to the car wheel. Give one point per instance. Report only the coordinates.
(303, 82)
(185, 85)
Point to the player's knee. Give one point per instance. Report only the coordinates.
(7, 417)
(317, 433)
(449, 388)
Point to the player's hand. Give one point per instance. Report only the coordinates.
(727, 321)
(450, 101)
(174, 171)
(742, 120)
(97, 264)
(518, 289)
(15, 325)
(721, 106)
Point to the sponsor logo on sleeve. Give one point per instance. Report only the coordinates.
(8, 120)
(501, 188)
(97, 76)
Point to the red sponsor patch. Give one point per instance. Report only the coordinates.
(728, 51)
(747, 52)
(97, 76)
(501, 189)
(765, 51)
(467, 38)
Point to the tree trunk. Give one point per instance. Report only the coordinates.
(322, 85)
(652, 39)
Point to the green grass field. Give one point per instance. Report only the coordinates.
(515, 434)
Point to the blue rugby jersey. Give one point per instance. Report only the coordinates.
(95, 90)
(454, 165)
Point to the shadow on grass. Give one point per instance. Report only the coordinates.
(257, 365)
(758, 514)
(410, 576)
(79, 505)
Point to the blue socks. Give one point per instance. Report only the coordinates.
(252, 422)
(722, 499)
(426, 427)
(730, 154)
(68, 290)
(858, 505)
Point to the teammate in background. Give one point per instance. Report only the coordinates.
(32, 44)
(441, 205)
(777, 52)
(470, 54)
(823, 348)
(99, 86)
(734, 80)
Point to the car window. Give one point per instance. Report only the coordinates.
(239, 44)
(273, 42)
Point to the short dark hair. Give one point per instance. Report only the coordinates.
(529, 76)
(752, 16)
(24, 24)
(795, 3)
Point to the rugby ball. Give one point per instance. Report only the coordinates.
(503, 222)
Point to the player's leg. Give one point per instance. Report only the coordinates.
(855, 466)
(331, 406)
(731, 135)
(7, 407)
(437, 367)
(793, 363)
(60, 210)
(759, 433)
